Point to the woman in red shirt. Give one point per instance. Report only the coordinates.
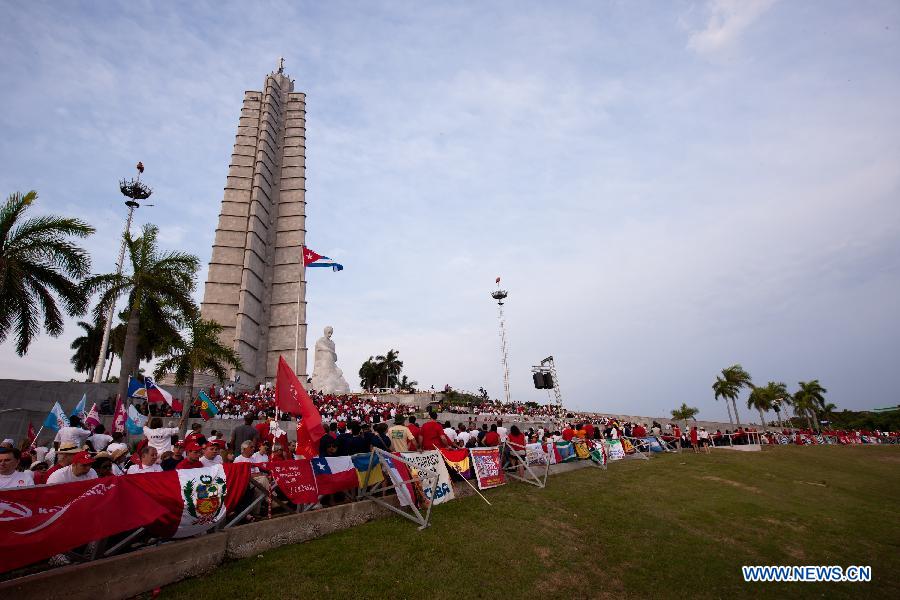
(515, 441)
(694, 441)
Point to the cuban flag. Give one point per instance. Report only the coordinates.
(334, 474)
(311, 258)
(157, 394)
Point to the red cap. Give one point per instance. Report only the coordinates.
(191, 446)
(82, 458)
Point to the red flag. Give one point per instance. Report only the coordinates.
(31, 433)
(38, 522)
(295, 479)
(498, 280)
(310, 256)
(291, 397)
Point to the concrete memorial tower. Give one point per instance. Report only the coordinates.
(254, 288)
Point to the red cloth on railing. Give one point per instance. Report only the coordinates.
(39, 522)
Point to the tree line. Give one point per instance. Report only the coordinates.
(44, 273)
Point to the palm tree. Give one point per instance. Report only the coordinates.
(736, 378)
(390, 366)
(408, 386)
(369, 374)
(723, 390)
(198, 349)
(766, 398)
(781, 402)
(157, 282)
(685, 412)
(38, 261)
(87, 347)
(809, 399)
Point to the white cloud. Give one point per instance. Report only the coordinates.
(728, 20)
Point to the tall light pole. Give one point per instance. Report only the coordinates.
(134, 190)
(500, 295)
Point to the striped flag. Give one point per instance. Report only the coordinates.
(311, 258)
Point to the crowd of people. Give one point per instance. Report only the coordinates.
(354, 424)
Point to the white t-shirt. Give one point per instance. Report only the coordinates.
(76, 435)
(65, 475)
(450, 433)
(115, 447)
(136, 469)
(704, 435)
(502, 432)
(100, 441)
(462, 437)
(256, 458)
(209, 462)
(39, 453)
(16, 479)
(160, 438)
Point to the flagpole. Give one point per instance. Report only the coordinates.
(299, 297)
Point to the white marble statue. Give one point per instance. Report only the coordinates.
(326, 377)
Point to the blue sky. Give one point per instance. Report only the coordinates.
(665, 188)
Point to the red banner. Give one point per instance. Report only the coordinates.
(295, 478)
(39, 522)
(488, 471)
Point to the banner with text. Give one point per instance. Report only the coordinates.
(430, 462)
(488, 471)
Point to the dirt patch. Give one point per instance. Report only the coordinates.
(737, 484)
(543, 553)
(816, 483)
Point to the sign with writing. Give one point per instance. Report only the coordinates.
(295, 478)
(535, 455)
(487, 465)
(429, 463)
(614, 450)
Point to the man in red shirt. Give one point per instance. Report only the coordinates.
(639, 431)
(414, 430)
(192, 457)
(676, 431)
(491, 438)
(431, 435)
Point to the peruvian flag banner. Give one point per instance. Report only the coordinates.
(39, 522)
(291, 397)
(195, 499)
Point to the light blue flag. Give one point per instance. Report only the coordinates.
(78, 411)
(133, 428)
(57, 418)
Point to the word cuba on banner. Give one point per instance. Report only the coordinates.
(431, 463)
(488, 468)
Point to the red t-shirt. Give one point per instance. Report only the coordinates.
(414, 430)
(516, 441)
(431, 433)
(694, 436)
(491, 438)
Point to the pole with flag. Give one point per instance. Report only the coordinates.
(291, 397)
(299, 302)
(79, 409)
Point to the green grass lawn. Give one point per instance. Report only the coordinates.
(676, 526)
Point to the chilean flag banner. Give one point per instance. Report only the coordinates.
(291, 397)
(157, 394)
(39, 522)
(311, 258)
(335, 474)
